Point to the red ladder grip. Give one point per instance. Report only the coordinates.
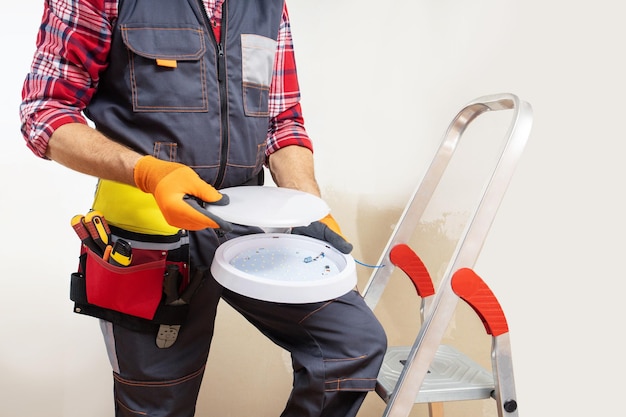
(407, 260)
(473, 290)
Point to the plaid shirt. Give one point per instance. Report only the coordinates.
(72, 49)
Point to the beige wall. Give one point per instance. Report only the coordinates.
(381, 82)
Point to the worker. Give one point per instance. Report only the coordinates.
(166, 103)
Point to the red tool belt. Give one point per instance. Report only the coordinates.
(153, 288)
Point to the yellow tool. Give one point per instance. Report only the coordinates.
(98, 229)
(121, 253)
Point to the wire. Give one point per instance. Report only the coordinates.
(369, 266)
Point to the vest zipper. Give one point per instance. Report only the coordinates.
(222, 85)
(221, 77)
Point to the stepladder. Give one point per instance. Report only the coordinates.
(429, 371)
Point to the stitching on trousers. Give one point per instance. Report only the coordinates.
(338, 384)
(345, 359)
(168, 383)
(141, 413)
(315, 311)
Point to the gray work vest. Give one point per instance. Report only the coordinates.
(172, 92)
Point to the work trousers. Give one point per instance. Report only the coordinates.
(336, 346)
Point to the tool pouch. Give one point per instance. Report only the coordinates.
(133, 296)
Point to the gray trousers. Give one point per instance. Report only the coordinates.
(336, 347)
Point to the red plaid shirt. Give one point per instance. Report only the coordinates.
(72, 49)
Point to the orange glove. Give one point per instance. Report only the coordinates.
(172, 184)
(328, 230)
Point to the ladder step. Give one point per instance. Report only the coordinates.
(451, 376)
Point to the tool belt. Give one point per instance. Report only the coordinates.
(152, 290)
(147, 291)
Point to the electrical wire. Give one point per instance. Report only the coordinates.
(369, 266)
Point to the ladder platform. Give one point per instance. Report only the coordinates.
(451, 376)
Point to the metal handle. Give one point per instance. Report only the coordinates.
(478, 227)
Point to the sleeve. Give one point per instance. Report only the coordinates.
(71, 51)
(286, 120)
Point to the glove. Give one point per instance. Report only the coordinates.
(177, 189)
(327, 230)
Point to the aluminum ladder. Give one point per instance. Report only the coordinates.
(415, 379)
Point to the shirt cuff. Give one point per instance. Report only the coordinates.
(38, 131)
(287, 130)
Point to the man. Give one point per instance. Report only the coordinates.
(188, 97)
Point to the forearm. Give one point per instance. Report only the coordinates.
(293, 167)
(72, 51)
(83, 149)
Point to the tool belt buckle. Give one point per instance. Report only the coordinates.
(167, 335)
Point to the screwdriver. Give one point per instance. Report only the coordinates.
(85, 237)
(98, 229)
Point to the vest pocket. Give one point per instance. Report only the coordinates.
(257, 53)
(167, 70)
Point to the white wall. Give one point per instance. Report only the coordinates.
(381, 82)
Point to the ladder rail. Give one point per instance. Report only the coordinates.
(502, 364)
(492, 195)
(416, 206)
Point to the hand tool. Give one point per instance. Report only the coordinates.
(98, 229)
(121, 253)
(107, 253)
(196, 281)
(81, 230)
(167, 334)
(171, 283)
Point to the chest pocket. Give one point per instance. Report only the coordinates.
(167, 69)
(258, 54)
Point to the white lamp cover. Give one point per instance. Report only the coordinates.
(284, 268)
